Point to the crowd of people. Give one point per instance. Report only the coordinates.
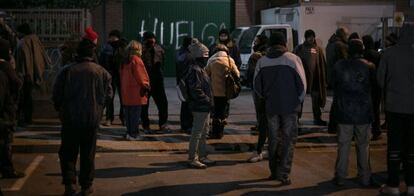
(357, 74)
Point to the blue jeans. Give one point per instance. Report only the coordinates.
(132, 118)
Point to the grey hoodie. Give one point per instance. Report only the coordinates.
(396, 74)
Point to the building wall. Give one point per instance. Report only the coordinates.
(112, 15)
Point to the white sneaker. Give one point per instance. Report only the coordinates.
(410, 190)
(207, 161)
(137, 138)
(256, 157)
(265, 154)
(389, 190)
(197, 164)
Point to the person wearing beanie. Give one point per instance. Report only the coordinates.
(112, 57)
(153, 57)
(280, 81)
(225, 39)
(200, 102)
(91, 35)
(79, 95)
(183, 61)
(353, 111)
(314, 62)
(31, 61)
(10, 85)
(395, 77)
(217, 66)
(373, 56)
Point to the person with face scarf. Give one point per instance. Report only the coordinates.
(225, 39)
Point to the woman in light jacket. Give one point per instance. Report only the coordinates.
(134, 89)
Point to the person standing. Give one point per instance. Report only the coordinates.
(111, 58)
(31, 60)
(153, 57)
(225, 39)
(79, 95)
(183, 60)
(217, 67)
(280, 80)
(353, 111)
(373, 56)
(10, 85)
(134, 89)
(200, 101)
(395, 77)
(313, 60)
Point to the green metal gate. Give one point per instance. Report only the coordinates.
(171, 20)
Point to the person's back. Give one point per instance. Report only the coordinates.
(217, 66)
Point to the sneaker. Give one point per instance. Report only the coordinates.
(197, 164)
(387, 190)
(255, 157)
(338, 181)
(69, 190)
(320, 122)
(131, 138)
(410, 191)
(107, 123)
(207, 161)
(285, 180)
(87, 191)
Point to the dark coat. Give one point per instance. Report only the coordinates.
(80, 92)
(153, 58)
(352, 91)
(336, 50)
(314, 63)
(183, 61)
(200, 94)
(251, 64)
(113, 55)
(10, 85)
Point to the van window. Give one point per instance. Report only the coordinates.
(247, 39)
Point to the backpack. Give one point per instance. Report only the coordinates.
(233, 85)
(182, 88)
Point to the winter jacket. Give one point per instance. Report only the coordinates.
(31, 58)
(113, 55)
(314, 64)
(80, 92)
(183, 61)
(336, 50)
(200, 95)
(395, 74)
(251, 64)
(217, 66)
(134, 82)
(233, 51)
(153, 59)
(280, 80)
(10, 85)
(352, 91)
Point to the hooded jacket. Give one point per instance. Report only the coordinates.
(280, 80)
(200, 95)
(395, 74)
(134, 82)
(216, 68)
(336, 50)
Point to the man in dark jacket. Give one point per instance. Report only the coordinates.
(314, 63)
(200, 101)
(112, 56)
(10, 85)
(353, 111)
(373, 56)
(280, 80)
(225, 39)
(153, 57)
(395, 77)
(79, 95)
(183, 59)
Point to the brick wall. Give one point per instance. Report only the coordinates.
(113, 16)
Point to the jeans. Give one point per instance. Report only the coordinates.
(282, 145)
(186, 117)
(362, 136)
(74, 140)
(160, 99)
(400, 148)
(132, 119)
(259, 105)
(197, 148)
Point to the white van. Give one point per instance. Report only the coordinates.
(237, 33)
(247, 40)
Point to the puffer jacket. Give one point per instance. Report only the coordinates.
(200, 95)
(217, 66)
(134, 82)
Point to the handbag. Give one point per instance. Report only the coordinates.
(233, 85)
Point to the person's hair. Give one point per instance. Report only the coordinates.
(136, 46)
(368, 42)
(86, 48)
(355, 47)
(277, 38)
(221, 47)
(25, 29)
(148, 35)
(115, 33)
(309, 33)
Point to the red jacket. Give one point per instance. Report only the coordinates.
(134, 81)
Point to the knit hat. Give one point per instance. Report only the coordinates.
(25, 29)
(4, 49)
(309, 33)
(91, 34)
(277, 38)
(356, 47)
(115, 33)
(85, 48)
(197, 49)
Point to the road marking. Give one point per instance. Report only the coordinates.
(17, 186)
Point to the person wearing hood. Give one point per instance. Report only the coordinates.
(280, 80)
(395, 77)
(259, 48)
(353, 111)
(31, 60)
(217, 67)
(200, 102)
(79, 95)
(373, 56)
(112, 56)
(183, 59)
(10, 85)
(313, 60)
(225, 39)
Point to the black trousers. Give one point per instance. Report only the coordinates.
(160, 99)
(400, 148)
(219, 115)
(6, 138)
(376, 123)
(77, 140)
(26, 102)
(262, 124)
(316, 108)
(110, 111)
(186, 116)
